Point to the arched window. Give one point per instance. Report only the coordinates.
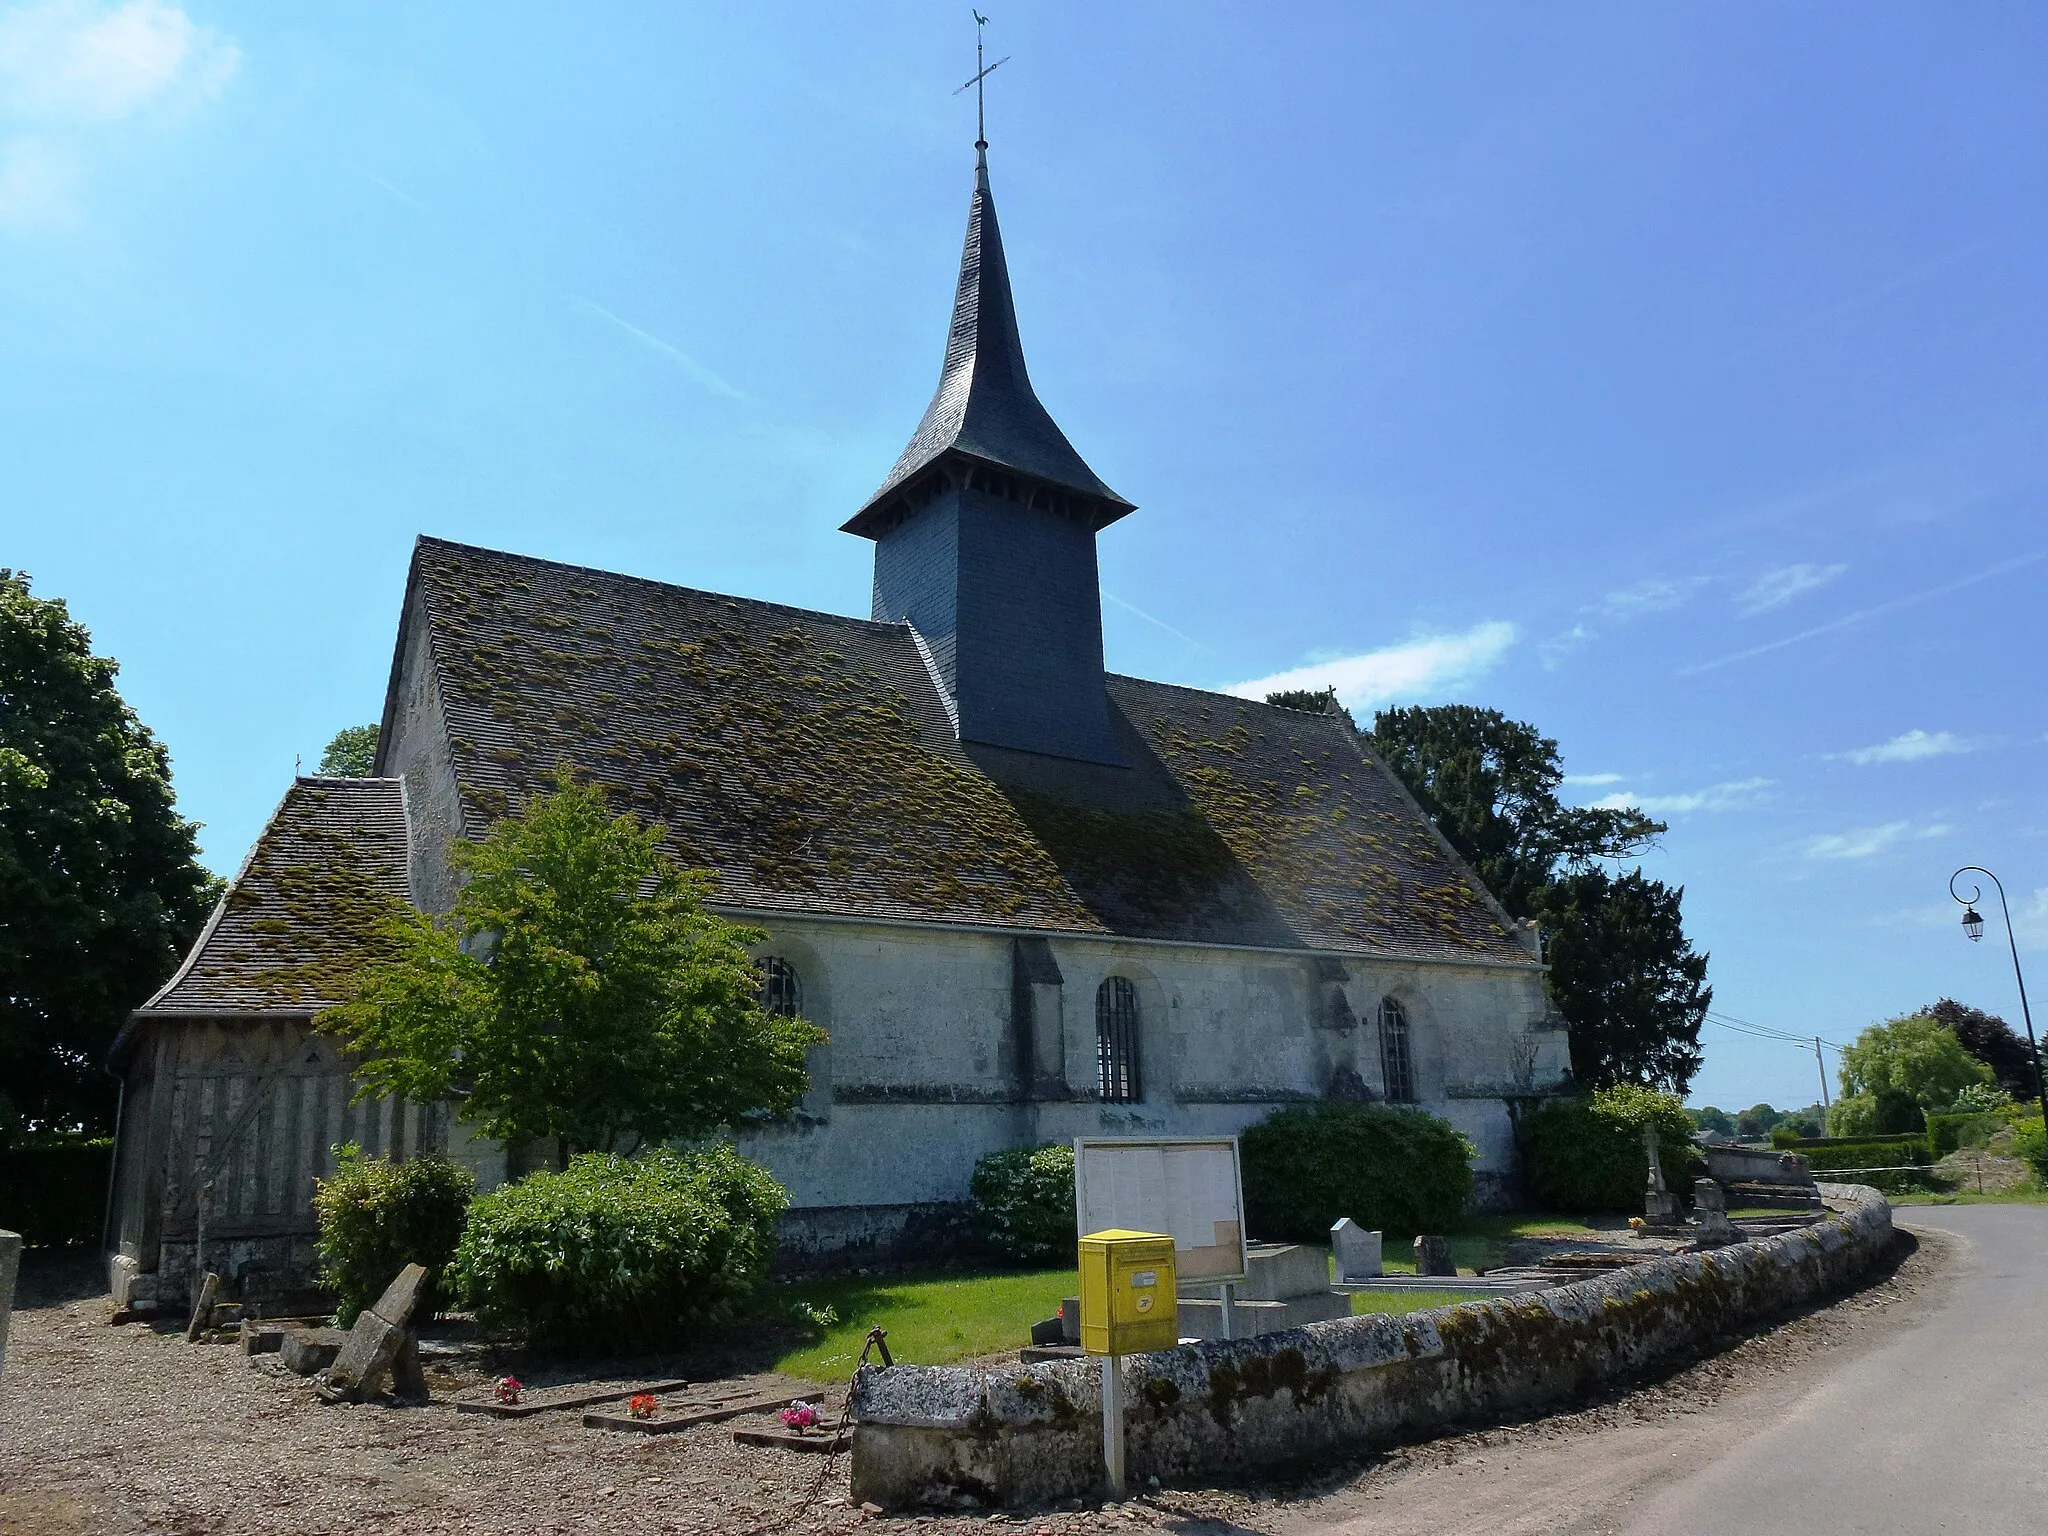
(1396, 1061)
(781, 992)
(1116, 1041)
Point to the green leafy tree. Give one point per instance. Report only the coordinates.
(1712, 1119)
(1915, 1057)
(1491, 784)
(101, 890)
(579, 991)
(1992, 1041)
(1628, 982)
(352, 754)
(1756, 1121)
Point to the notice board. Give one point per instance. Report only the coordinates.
(1186, 1187)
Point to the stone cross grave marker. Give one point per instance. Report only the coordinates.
(377, 1341)
(1359, 1253)
(1660, 1205)
(1710, 1205)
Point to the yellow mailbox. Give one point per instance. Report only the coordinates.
(1128, 1299)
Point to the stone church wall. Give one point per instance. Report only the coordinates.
(939, 1054)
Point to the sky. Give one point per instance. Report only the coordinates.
(1673, 377)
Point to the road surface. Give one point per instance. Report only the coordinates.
(1921, 1410)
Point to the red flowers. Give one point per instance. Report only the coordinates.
(801, 1416)
(509, 1388)
(642, 1405)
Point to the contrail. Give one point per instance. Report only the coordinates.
(689, 364)
(1141, 613)
(1912, 599)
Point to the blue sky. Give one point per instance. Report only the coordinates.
(1674, 377)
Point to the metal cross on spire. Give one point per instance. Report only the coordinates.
(981, 74)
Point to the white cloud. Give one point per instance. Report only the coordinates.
(1656, 595)
(1593, 780)
(1734, 795)
(1868, 842)
(1425, 666)
(70, 69)
(1912, 747)
(1776, 588)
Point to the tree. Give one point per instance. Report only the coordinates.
(1756, 1121)
(1712, 1119)
(101, 889)
(579, 991)
(1491, 785)
(1914, 1056)
(1629, 984)
(1992, 1041)
(352, 754)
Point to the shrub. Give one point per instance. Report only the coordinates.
(1024, 1200)
(377, 1216)
(1400, 1170)
(1907, 1161)
(2030, 1145)
(1586, 1155)
(1886, 1112)
(620, 1253)
(1947, 1133)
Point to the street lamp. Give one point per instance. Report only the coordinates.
(1973, 925)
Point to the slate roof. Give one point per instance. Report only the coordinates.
(807, 760)
(985, 407)
(302, 912)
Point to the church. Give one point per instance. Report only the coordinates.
(1028, 899)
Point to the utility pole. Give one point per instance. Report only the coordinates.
(1821, 1062)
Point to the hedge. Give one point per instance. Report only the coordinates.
(1402, 1171)
(55, 1195)
(1887, 1152)
(618, 1254)
(1948, 1133)
(1584, 1155)
(377, 1216)
(1800, 1144)
(1024, 1202)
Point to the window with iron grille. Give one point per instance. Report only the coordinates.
(1116, 1041)
(781, 993)
(1396, 1062)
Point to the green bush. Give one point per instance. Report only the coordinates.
(1400, 1170)
(1947, 1133)
(2030, 1145)
(1024, 1202)
(1886, 1112)
(616, 1253)
(377, 1216)
(1907, 1159)
(1585, 1155)
(54, 1191)
(1800, 1144)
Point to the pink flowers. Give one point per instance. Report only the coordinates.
(801, 1416)
(642, 1405)
(508, 1389)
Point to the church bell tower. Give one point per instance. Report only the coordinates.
(985, 532)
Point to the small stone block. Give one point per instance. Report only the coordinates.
(261, 1338)
(1051, 1331)
(407, 1379)
(1433, 1256)
(1070, 1320)
(306, 1350)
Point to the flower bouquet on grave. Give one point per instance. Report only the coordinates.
(508, 1389)
(801, 1417)
(642, 1405)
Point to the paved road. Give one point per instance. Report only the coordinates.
(1943, 1428)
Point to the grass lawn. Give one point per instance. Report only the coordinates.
(1404, 1301)
(1481, 1243)
(932, 1320)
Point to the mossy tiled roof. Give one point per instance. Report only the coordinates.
(807, 760)
(306, 907)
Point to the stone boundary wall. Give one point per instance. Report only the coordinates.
(1205, 1412)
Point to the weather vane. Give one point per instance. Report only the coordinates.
(981, 74)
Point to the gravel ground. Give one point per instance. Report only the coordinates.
(119, 1429)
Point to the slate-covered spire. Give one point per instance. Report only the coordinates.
(985, 408)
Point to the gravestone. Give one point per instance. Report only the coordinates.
(1070, 1320)
(1360, 1254)
(307, 1350)
(10, 1266)
(1433, 1256)
(1660, 1205)
(202, 1309)
(1710, 1207)
(375, 1342)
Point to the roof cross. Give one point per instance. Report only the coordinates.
(981, 74)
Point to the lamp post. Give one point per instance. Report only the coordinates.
(1973, 926)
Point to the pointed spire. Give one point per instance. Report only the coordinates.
(985, 407)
